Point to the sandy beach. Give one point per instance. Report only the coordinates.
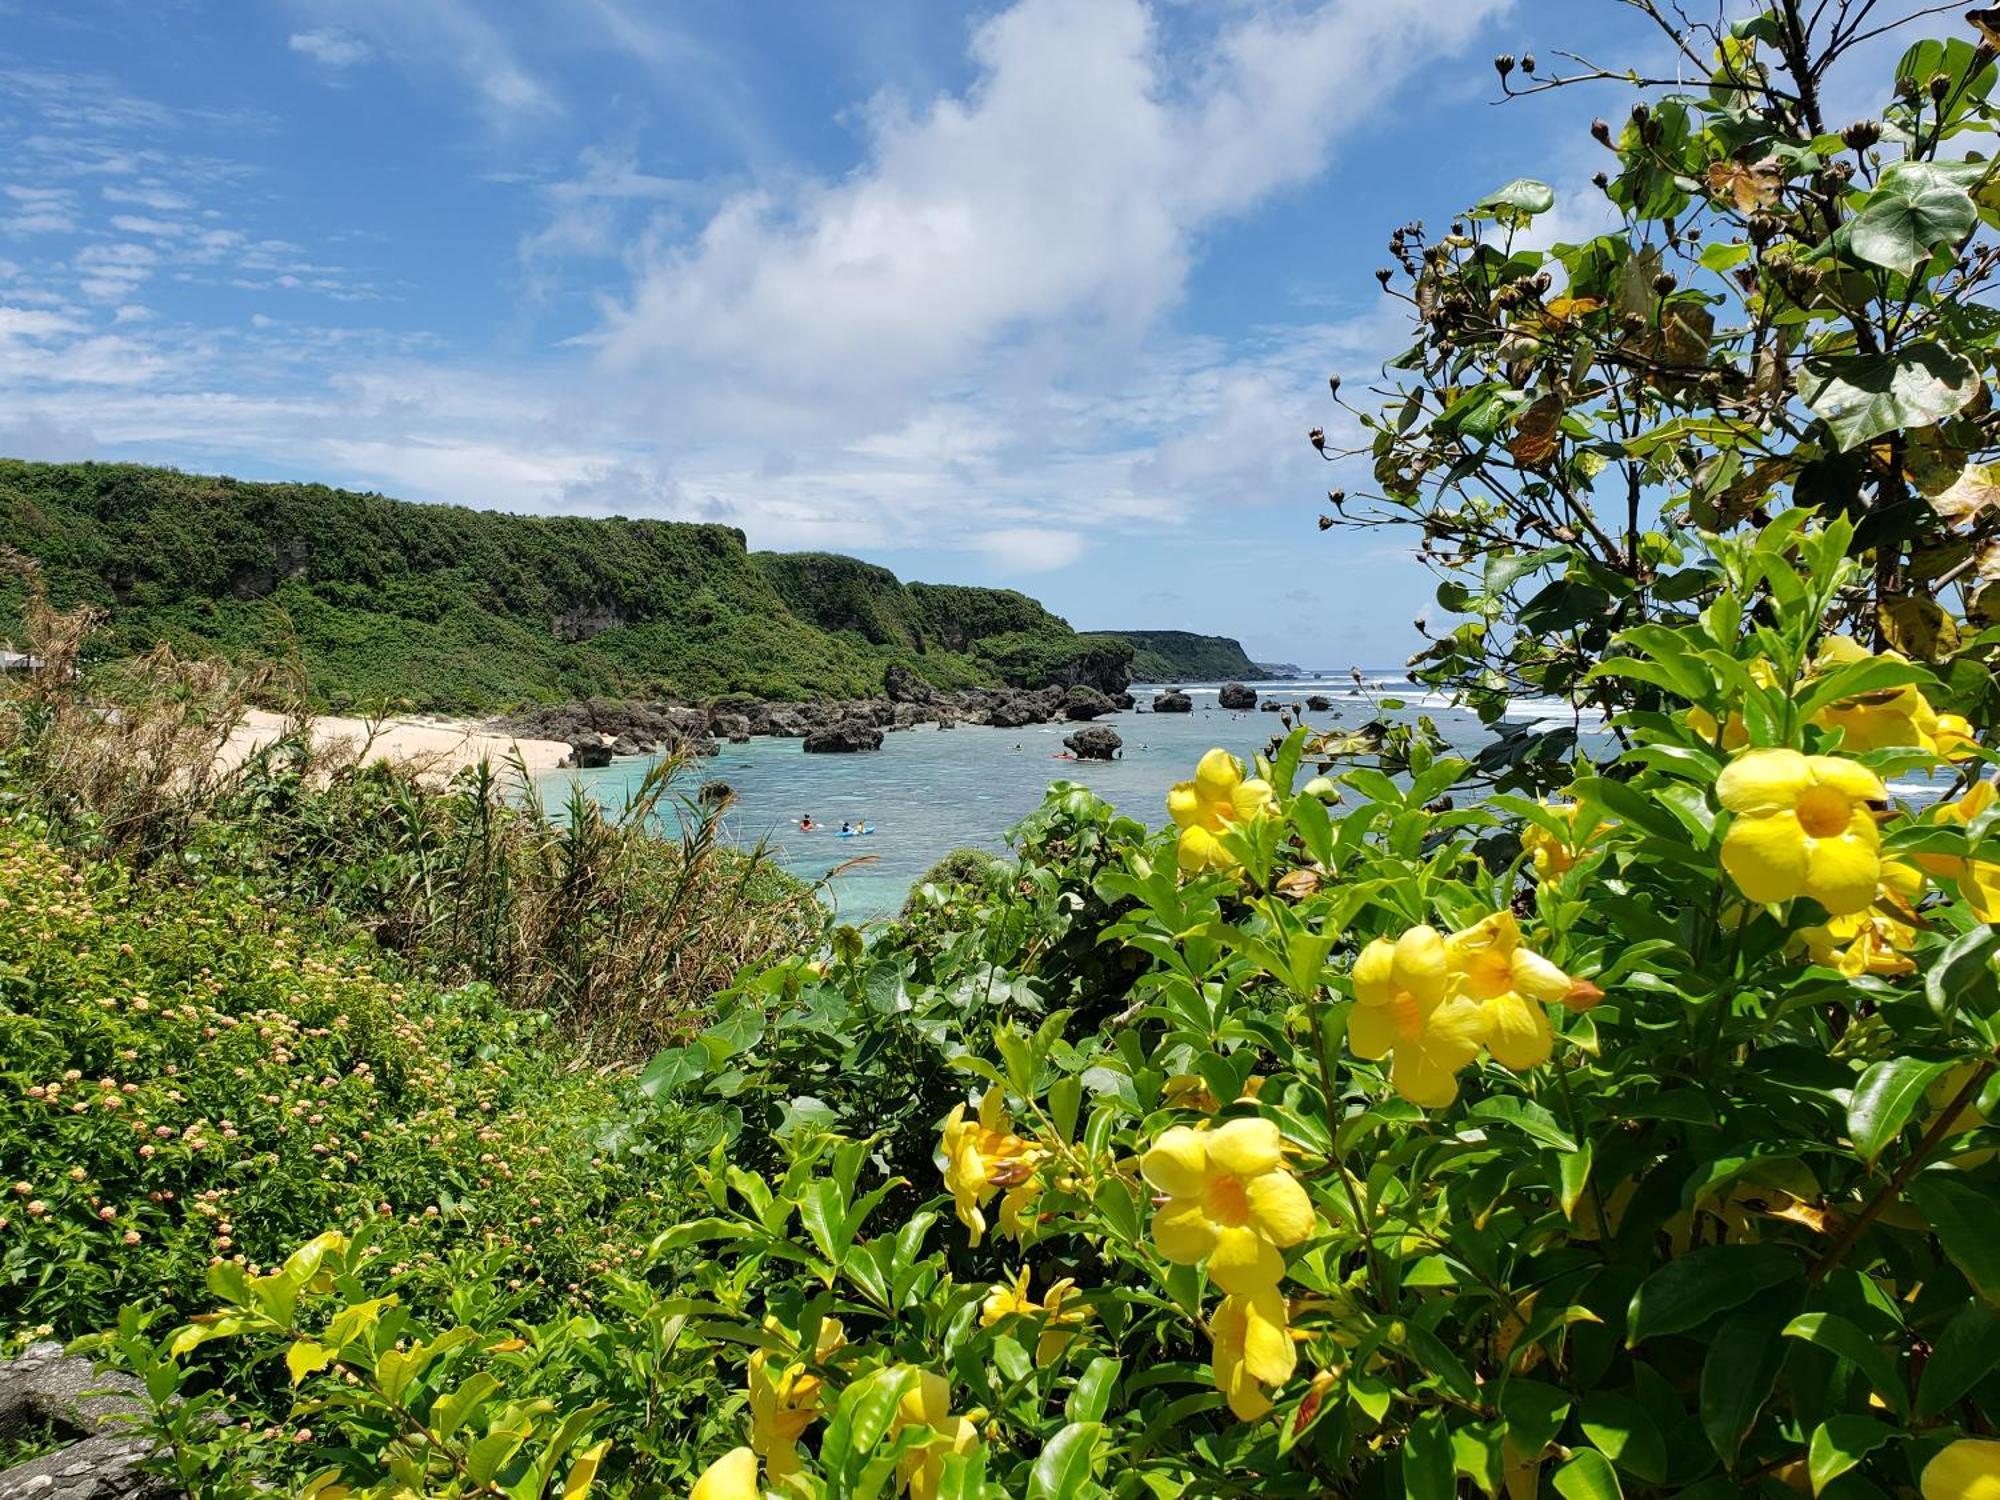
(432, 746)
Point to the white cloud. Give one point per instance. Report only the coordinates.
(1063, 191)
(422, 34)
(330, 47)
(1031, 549)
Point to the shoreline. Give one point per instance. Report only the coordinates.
(431, 746)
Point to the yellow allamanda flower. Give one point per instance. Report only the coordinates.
(1229, 1200)
(1803, 826)
(927, 1404)
(1554, 855)
(731, 1477)
(984, 1155)
(1968, 1469)
(1872, 941)
(1978, 880)
(1510, 984)
(1890, 719)
(1217, 797)
(786, 1402)
(1401, 1010)
(1252, 1349)
(1012, 1299)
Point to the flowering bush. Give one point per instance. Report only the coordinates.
(1407, 1162)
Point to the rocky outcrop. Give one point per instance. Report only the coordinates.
(716, 793)
(901, 684)
(1095, 743)
(1084, 703)
(1318, 703)
(1271, 705)
(844, 738)
(582, 621)
(588, 755)
(100, 1457)
(1172, 703)
(1236, 695)
(1124, 701)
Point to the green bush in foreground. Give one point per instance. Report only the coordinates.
(187, 1077)
(1636, 1144)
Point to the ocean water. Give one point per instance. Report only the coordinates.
(929, 791)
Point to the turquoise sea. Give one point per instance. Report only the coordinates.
(928, 791)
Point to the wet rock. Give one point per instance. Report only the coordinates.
(588, 755)
(716, 793)
(1084, 702)
(1319, 704)
(1236, 695)
(1172, 702)
(844, 738)
(1095, 743)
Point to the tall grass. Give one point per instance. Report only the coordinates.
(599, 917)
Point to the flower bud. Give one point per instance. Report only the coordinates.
(1326, 523)
(1527, 62)
(1600, 131)
(1504, 64)
(1383, 273)
(1317, 437)
(1664, 283)
(1861, 135)
(1641, 114)
(1333, 385)
(1940, 85)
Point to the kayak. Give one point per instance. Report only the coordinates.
(854, 833)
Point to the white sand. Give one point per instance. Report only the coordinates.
(430, 746)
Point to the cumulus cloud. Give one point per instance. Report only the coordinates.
(1066, 187)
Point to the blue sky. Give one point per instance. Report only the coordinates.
(1040, 294)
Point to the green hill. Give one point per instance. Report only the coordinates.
(1182, 656)
(445, 607)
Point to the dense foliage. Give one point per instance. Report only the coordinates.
(1791, 309)
(381, 601)
(1319, 1143)
(1183, 656)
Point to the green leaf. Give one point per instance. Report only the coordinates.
(1428, 1470)
(1534, 1412)
(1686, 1293)
(1091, 1397)
(1737, 1376)
(305, 1357)
(1883, 1101)
(1965, 1353)
(1588, 1476)
(1516, 202)
(1839, 1443)
(1838, 1336)
(671, 1070)
(1064, 1467)
(1621, 1429)
(450, 1412)
(1862, 396)
(1915, 208)
(860, 1418)
(1967, 1223)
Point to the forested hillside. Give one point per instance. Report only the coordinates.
(1182, 656)
(445, 607)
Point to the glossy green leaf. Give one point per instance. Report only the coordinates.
(1883, 1101)
(1063, 1468)
(1839, 1443)
(1687, 1292)
(1588, 1476)
(1966, 1221)
(1915, 208)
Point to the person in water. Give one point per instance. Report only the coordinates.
(846, 826)
(806, 823)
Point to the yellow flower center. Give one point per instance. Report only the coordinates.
(1408, 1016)
(1227, 1202)
(1489, 974)
(1824, 812)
